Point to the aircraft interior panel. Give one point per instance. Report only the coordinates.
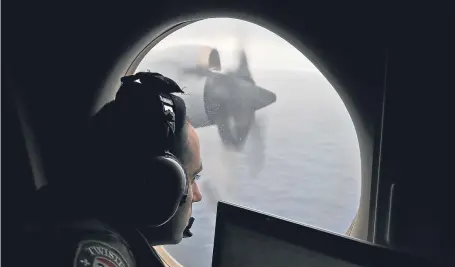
(246, 237)
(249, 253)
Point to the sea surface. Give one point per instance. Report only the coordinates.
(306, 168)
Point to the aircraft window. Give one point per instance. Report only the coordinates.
(296, 156)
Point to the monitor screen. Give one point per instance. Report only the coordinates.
(241, 249)
(248, 238)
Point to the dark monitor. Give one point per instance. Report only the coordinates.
(248, 238)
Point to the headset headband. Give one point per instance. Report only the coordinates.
(152, 94)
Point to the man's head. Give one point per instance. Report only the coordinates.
(190, 157)
(125, 136)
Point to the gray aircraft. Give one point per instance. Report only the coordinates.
(227, 99)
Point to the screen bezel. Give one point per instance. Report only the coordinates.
(331, 244)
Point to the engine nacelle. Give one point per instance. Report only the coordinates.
(210, 59)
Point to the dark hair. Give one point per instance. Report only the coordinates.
(122, 137)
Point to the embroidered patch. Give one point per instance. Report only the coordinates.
(92, 253)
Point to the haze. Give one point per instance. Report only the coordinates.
(265, 49)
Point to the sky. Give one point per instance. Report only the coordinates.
(265, 49)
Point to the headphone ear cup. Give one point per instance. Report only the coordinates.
(164, 189)
(151, 195)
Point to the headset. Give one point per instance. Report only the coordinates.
(155, 185)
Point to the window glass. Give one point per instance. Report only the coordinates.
(297, 157)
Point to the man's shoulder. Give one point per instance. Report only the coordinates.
(93, 252)
(94, 243)
(83, 244)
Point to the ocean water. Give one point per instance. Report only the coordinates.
(309, 170)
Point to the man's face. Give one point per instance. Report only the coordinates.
(193, 167)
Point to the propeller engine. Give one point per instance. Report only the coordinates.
(231, 100)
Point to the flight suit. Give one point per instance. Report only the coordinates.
(90, 244)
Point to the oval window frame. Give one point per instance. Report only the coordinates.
(355, 229)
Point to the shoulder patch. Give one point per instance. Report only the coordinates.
(91, 253)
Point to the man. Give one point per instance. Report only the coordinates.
(120, 136)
